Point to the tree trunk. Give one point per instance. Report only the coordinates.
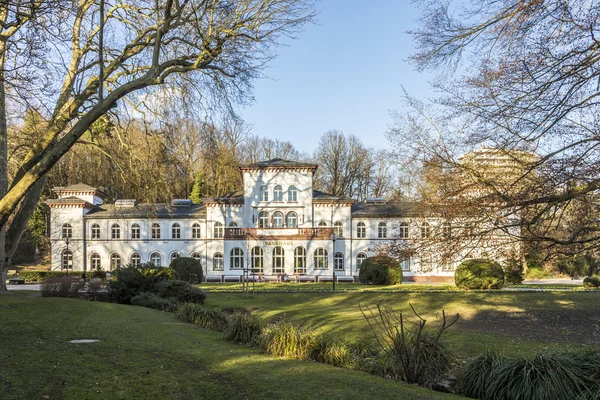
(3, 168)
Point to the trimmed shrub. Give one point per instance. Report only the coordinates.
(39, 276)
(284, 339)
(188, 269)
(591, 282)
(63, 286)
(380, 270)
(513, 270)
(129, 281)
(183, 291)
(243, 328)
(551, 376)
(204, 317)
(151, 300)
(479, 274)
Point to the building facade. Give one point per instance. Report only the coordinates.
(277, 224)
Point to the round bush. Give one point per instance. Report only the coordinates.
(591, 282)
(380, 270)
(188, 269)
(479, 274)
(182, 291)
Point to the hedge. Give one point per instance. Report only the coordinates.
(39, 276)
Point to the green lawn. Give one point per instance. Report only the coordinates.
(515, 323)
(146, 354)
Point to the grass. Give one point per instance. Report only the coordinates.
(144, 353)
(338, 314)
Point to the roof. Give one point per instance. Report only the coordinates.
(79, 187)
(278, 163)
(390, 209)
(145, 210)
(231, 198)
(319, 197)
(69, 200)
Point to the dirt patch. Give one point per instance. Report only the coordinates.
(573, 326)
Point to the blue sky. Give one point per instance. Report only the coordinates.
(345, 72)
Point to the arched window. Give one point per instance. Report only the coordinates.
(425, 230)
(196, 231)
(264, 193)
(174, 255)
(67, 259)
(277, 193)
(135, 231)
(338, 262)
(218, 230)
(277, 220)
(115, 261)
(447, 230)
(299, 260)
(115, 231)
(257, 260)
(403, 230)
(218, 262)
(135, 259)
(196, 256)
(155, 231)
(382, 230)
(292, 193)
(361, 230)
(278, 260)
(321, 259)
(360, 257)
(263, 219)
(156, 259)
(322, 224)
(338, 229)
(236, 258)
(95, 231)
(96, 261)
(67, 231)
(232, 224)
(176, 231)
(291, 220)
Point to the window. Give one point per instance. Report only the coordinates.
(257, 260)
(96, 261)
(403, 230)
(196, 231)
(264, 193)
(338, 229)
(321, 260)
(360, 257)
(405, 264)
(232, 224)
(263, 220)
(382, 230)
(218, 262)
(155, 231)
(67, 231)
(447, 265)
(135, 231)
(156, 259)
(95, 231)
(338, 262)
(299, 260)
(135, 259)
(115, 231)
(277, 220)
(236, 258)
(291, 220)
(361, 230)
(218, 230)
(196, 256)
(277, 193)
(447, 230)
(292, 193)
(278, 260)
(115, 261)
(322, 224)
(426, 263)
(67, 259)
(425, 230)
(174, 255)
(176, 231)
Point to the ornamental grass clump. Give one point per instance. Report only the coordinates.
(408, 351)
(334, 352)
(479, 274)
(284, 339)
(244, 329)
(551, 376)
(204, 317)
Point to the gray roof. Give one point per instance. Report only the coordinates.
(322, 196)
(231, 198)
(160, 210)
(69, 199)
(279, 163)
(391, 209)
(78, 187)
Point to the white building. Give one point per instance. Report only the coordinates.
(277, 224)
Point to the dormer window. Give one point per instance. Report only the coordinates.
(278, 193)
(292, 193)
(264, 193)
